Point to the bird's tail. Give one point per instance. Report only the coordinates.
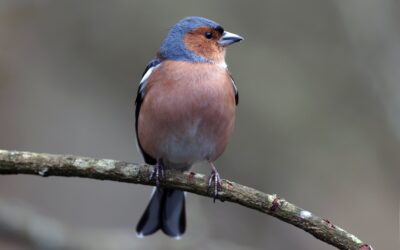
(166, 211)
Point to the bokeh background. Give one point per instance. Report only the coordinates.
(318, 120)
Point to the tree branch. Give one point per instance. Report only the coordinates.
(16, 162)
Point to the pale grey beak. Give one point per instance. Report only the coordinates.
(229, 38)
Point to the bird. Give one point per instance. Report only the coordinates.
(185, 114)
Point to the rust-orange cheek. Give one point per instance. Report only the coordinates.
(207, 48)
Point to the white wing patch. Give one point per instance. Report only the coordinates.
(234, 85)
(145, 77)
(235, 90)
(222, 65)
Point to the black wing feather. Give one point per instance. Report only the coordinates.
(235, 89)
(139, 100)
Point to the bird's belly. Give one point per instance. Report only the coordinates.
(187, 130)
(188, 117)
(189, 142)
(197, 132)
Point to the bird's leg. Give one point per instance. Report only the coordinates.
(214, 181)
(157, 173)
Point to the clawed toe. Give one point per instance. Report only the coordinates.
(214, 182)
(157, 173)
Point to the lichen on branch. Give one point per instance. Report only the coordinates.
(16, 162)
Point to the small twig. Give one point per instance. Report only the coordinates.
(15, 162)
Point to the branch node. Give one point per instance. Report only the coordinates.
(43, 172)
(276, 203)
(191, 177)
(329, 224)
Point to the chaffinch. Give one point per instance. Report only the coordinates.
(185, 113)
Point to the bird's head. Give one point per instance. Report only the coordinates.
(197, 39)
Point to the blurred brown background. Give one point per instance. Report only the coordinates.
(318, 119)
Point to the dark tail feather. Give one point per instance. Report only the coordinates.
(173, 215)
(151, 218)
(166, 211)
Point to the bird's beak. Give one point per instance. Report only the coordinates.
(228, 38)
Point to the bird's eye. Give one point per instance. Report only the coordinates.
(208, 35)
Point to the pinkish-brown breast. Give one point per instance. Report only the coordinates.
(188, 112)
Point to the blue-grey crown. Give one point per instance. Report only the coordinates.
(173, 47)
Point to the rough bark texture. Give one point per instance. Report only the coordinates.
(15, 162)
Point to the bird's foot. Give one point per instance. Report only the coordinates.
(157, 173)
(214, 182)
